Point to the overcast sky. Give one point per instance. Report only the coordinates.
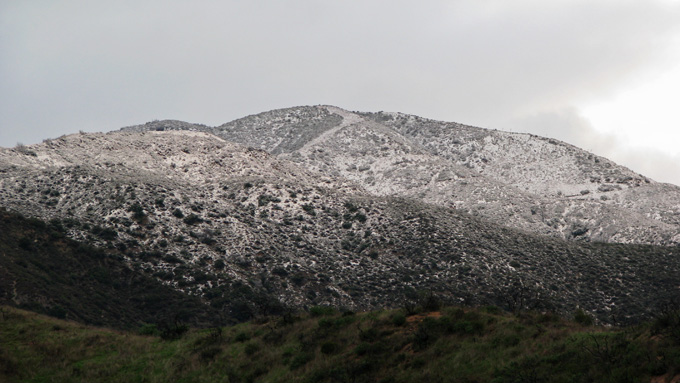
(603, 75)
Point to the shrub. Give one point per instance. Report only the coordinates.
(149, 329)
(23, 149)
(192, 219)
(399, 319)
(430, 302)
(300, 360)
(317, 311)
(174, 332)
(57, 312)
(493, 310)
(251, 348)
(309, 209)
(210, 353)
(581, 317)
(241, 337)
(137, 211)
(329, 348)
(178, 213)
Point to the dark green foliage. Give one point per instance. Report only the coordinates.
(329, 348)
(79, 282)
(57, 311)
(174, 331)
(149, 329)
(398, 319)
(430, 302)
(178, 213)
(317, 311)
(666, 323)
(426, 348)
(581, 317)
(300, 360)
(208, 354)
(251, 348)
(241, 337)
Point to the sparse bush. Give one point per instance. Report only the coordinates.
(23, 149)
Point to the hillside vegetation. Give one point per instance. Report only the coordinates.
(44, 271)
(449, 344)
(253, 234)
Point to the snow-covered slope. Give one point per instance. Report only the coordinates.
(520, 180)
(249, 231)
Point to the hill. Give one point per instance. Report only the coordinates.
(251, 233)
(44, 271)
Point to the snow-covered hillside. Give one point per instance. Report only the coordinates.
(346, 209)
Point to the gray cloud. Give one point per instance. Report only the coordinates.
(73, 65)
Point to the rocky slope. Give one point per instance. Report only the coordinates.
(252, 232)
(520, 180)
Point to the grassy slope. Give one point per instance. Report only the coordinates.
(479, 345)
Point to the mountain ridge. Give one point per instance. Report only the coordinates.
(528, 182)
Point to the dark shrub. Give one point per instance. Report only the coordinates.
(581, 317)
(317, 311)
(192, 219)
(329, 348)
(251, 348)
(399, 319)
(241, 337)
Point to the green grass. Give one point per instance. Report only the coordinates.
(453, 345)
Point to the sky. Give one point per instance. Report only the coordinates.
(603, 75)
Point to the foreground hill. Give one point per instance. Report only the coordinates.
(449, 345)
(253, 233)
